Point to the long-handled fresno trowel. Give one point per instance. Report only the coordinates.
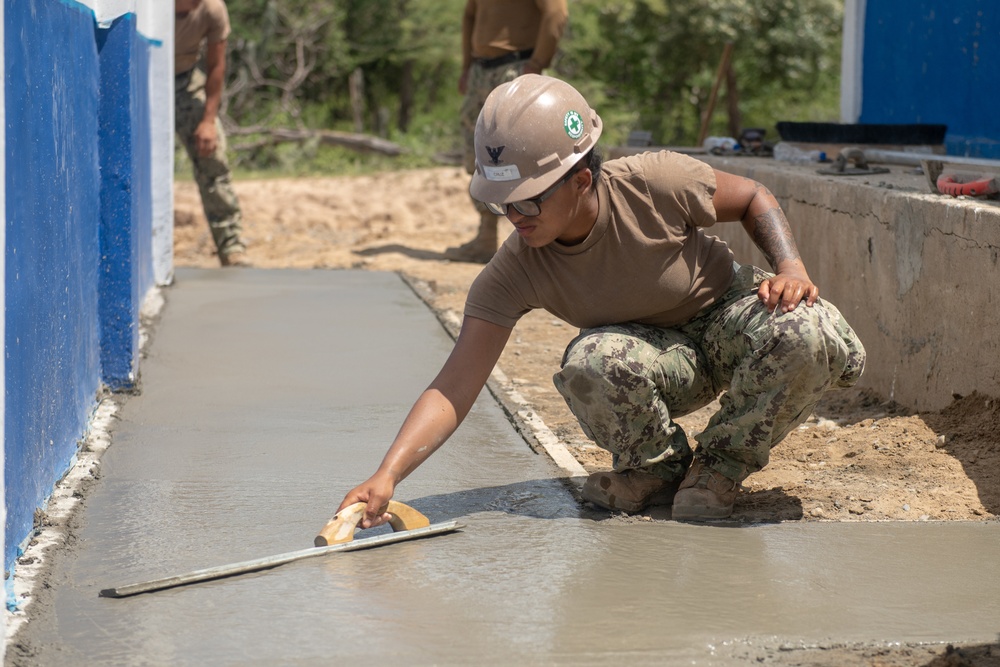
(337, 535)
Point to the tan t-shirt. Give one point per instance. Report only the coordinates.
(492, 28)
(209, 22)
(647, 259)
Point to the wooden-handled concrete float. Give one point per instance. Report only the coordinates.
(337, 535)
(340, 528)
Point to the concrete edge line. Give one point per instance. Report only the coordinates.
(525, 420)
(33, 565)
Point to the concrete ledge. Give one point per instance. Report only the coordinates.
(913, 272)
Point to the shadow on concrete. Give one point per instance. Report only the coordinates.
(551, 499)
(415, 253)
(536, 498)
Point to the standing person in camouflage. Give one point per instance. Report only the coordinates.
(501, 40)
(197, 97)
(668, 320)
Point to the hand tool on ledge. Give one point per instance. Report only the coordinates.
(337, 535)
(965, 185)
(981, 180)
(851, 156)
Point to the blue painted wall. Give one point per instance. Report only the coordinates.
(126, 209)
(935, 61)
(78, 234)
(52, 254)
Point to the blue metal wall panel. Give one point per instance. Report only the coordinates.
(52, 253)
(934, 61)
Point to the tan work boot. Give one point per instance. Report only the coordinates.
(704, 495)
(234, 258)
(628, 491)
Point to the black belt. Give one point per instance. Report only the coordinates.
(490, 63)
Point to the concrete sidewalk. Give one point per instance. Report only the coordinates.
(266, 395)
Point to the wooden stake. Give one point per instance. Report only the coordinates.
(733, 103)
(727, 52)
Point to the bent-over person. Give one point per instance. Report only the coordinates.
(668, 319)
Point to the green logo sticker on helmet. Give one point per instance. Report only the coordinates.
(573, 124)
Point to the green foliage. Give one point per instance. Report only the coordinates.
(660, 58)
(643, 64)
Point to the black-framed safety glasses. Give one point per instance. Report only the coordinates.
(530, 207)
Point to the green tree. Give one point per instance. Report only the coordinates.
(659, 57)
(390, 67)
(283, 56)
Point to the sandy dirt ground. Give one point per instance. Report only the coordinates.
(858, 458)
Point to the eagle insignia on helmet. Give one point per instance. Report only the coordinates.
(495, 153)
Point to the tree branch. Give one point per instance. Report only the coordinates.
(273, 136)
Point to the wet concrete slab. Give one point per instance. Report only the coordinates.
(268, 394)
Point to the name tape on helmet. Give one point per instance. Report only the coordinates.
(508, 172)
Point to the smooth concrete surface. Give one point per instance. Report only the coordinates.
(268, 394)
(913, 272)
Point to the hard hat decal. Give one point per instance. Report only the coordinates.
(508, 172)
(495, 153)
(573, 124)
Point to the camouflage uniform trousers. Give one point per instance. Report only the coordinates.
(211, 173)
(626, 383)
(480, 84)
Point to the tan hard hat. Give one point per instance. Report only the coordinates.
(530, 132)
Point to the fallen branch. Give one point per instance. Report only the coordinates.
(358, 142)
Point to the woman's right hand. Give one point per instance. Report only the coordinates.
(376, 492)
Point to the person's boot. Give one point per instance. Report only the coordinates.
(704, 495)
(234, 258)
(629, 490)
(480, 249)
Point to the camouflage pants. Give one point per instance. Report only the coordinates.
(480, 84)
(211, 173)
(625, 383)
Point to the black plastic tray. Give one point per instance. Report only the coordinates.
(862, 133)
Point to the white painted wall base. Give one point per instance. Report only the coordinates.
(161, 91)
(851, 61)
